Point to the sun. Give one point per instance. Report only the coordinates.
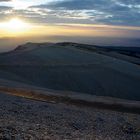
(15, 26)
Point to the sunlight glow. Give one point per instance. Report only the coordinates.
(15, 26)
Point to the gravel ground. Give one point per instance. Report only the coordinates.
(23, 119)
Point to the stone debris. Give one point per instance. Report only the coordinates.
(23, 119)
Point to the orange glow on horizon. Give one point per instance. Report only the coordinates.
(17, 27)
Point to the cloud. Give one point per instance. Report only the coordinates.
(116, 12)
(90, 4)
(111, 12)
(4, 8)
(4, 0)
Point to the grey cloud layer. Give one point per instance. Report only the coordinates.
(122, 12)
(92, 4)
(4, 0)
(114, 12)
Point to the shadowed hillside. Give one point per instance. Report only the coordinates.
(74, 67)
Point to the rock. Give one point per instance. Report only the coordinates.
(78, 126)
(129, 129)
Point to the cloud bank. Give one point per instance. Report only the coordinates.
(110, 12)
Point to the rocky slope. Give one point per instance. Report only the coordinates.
(27, 119)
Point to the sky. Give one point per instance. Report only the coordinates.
(68, 20)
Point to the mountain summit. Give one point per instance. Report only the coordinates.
(73, 67)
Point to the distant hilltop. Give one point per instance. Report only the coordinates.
(31, 45)
(122, 52)
(74, 67)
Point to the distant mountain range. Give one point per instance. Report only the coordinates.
(67, 66)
